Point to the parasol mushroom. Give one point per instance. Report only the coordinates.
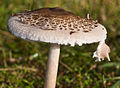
(58, 27)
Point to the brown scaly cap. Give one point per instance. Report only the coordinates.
(55, 25)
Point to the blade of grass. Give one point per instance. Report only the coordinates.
(116, 85)
(110, 64)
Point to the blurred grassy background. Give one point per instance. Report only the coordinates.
(23, 63)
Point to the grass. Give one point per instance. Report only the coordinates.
(23, 63)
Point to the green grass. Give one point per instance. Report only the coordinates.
(23, 63)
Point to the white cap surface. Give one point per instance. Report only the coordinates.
(55, 25)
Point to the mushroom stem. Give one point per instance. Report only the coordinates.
(52, 66)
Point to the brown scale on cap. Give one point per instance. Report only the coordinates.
(13, 14)
(35, 17)
(85, 30)
(71, 32)
(54, 17)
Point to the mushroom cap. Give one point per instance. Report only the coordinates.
(55, 25)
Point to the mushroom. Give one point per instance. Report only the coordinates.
(58, 27)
